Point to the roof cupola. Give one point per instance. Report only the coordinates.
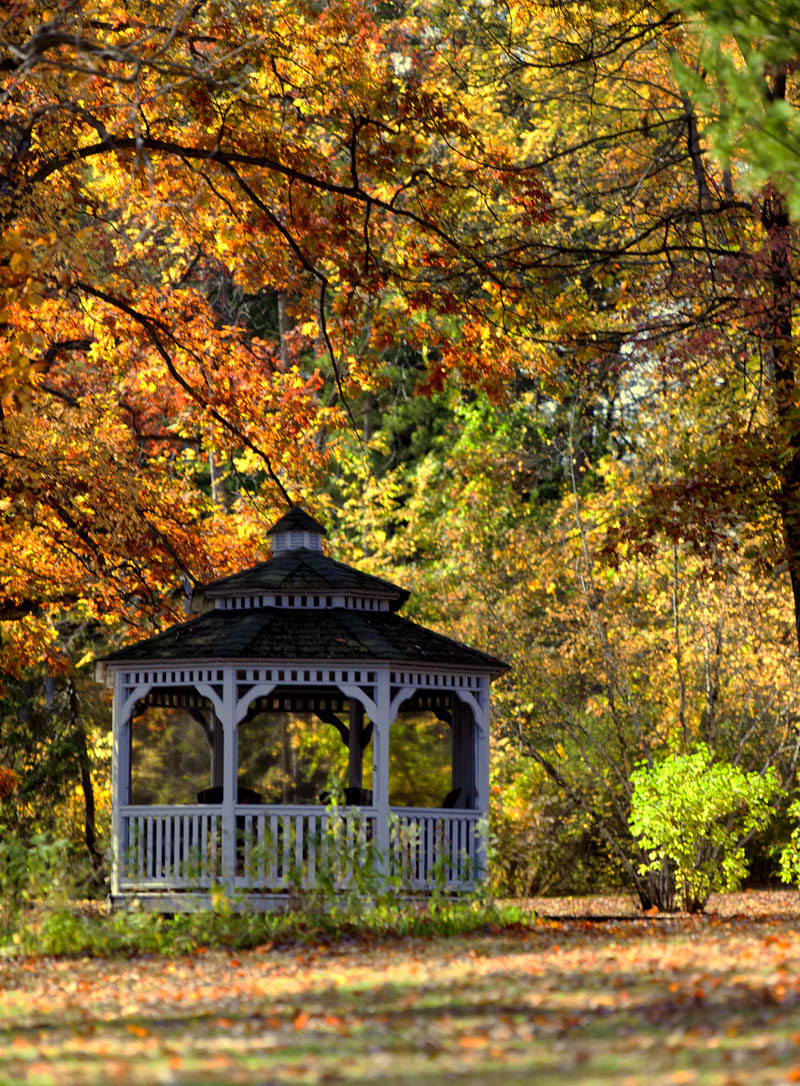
(296, 530)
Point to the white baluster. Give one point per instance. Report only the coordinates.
(299, 826)
(287, 849)
(311, 870)
(141, 845)
(273, 851)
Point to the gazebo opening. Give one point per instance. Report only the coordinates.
(171, 757)
(432, 753)
(420, 771)
(292, 756)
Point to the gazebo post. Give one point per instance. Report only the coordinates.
(217, 752)
(230, 775)
(482, 774)
(463, 771)
(380, 771)
(117, 762)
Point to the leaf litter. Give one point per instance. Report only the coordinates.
(636, 1000)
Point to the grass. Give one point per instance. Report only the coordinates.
(707, 1000)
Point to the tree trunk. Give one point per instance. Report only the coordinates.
(657, 889)
(778, 336)
(284, 327)
(85, 766)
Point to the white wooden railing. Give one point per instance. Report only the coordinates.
(169, 847)
(279, 848)
(284, 847)
(434, 848)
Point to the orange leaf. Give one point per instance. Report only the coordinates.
(473, 1042)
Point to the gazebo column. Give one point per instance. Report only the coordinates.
(123, 706)
(120, 778)
(464, 763)
(217, 753)
(230, 780)
(482, 774)
(380, 771)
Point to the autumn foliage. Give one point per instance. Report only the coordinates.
(506, 292)
(309, 159)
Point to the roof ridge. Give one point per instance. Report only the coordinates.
(299, 520)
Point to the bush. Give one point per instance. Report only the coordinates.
(38, 875)
(691, 815)
(790, 856)
(30, 871)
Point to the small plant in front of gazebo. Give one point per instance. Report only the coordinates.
(693, 814)
(34, 873)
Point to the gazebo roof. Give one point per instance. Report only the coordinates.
(297, 520)
(303, 606)
(301, 570)
(277, 633)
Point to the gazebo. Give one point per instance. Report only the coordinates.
(297, 636)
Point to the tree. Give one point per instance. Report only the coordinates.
(216, 220)
(503, 533)
(744, 84)
(750, 98)
(659, 616)
(313, 158)
(661, 251)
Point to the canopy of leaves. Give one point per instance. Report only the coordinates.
(168, 174)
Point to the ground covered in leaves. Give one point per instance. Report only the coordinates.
(617, 999)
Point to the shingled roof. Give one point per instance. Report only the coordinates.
(277, 633)
(301, 570)
(302, 605)
(297, 520)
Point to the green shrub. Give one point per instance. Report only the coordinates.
(790, 856)
(31, 871)
(692, 814)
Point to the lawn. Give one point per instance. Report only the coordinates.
(614, 999)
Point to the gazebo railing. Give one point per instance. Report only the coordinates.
(432, 848)
(285, 847)
(298, 847)
(163, 847)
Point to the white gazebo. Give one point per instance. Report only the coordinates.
(298, 634)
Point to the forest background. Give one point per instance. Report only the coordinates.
(503, 292)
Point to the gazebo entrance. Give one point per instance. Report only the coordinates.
(332, 652)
